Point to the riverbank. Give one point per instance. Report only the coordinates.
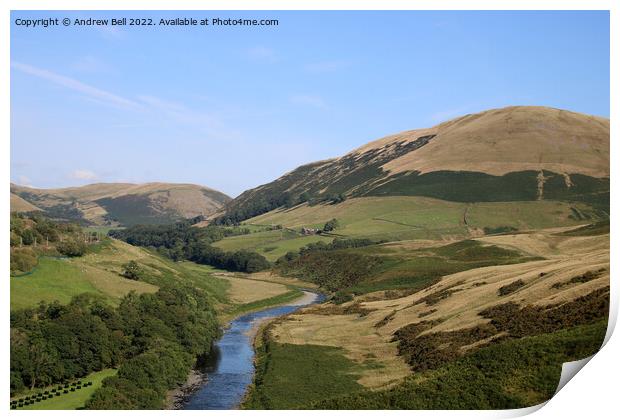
(233, 372)
(176, 398)
(306, 299)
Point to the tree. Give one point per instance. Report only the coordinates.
(336, 198)
(304, 197)
(28, 237)
(71, 248)
(132, 270)
(331, 225)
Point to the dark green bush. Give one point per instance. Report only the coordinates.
(22, 260)
(71, 248)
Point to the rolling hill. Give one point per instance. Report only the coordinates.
(120, 204)
(509, 154)
(20, 205)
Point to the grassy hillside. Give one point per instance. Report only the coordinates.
(125, 204)
(513, 374)
(401, 218)
(20, 205)
(55, 279)
(398, 218)
(458, 314)
(99, 272)
(478, 157)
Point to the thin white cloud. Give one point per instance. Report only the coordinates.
(309, 100)
(91, 64)
(148, 105)
(84, 175)
(163, 105)
(205, 121)
(261, 53)
(327, 66)
(76, 85)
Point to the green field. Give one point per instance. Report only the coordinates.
(53, 279)
(73, 400)
(271, 244)
(289, 376)
(277, 249)
(62, 279)
(399, 218)
(255, 240)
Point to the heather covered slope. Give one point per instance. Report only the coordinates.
(483, 323)
(508, 154)
(125, 204)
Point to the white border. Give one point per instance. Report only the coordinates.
(592, 395)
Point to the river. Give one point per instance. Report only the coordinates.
(232, 364)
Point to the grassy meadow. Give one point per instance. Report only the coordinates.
(398, 219)
(419, 217)
(285, 383)
(52, 279)
(271, 244)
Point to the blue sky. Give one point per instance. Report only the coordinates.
(235, 107)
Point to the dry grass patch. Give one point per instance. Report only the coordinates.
(271, 277)
(111, 283)
(356, 336)
(244, 290)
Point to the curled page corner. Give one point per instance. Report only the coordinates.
(569, 370)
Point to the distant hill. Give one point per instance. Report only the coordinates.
(21, 205)
(518, 153)
(120, 204)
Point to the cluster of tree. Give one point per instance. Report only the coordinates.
(182, 241)
(246, 261)
(329, 264)
(28, 229)
(72, 247)
(153, 339)
(235, 215)
(173, 236)
(132, 270)
(336, 198)
(333, 270)
(257, 206)
(331, 225)
(336, 244)
(32, 234)
(22, 260)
